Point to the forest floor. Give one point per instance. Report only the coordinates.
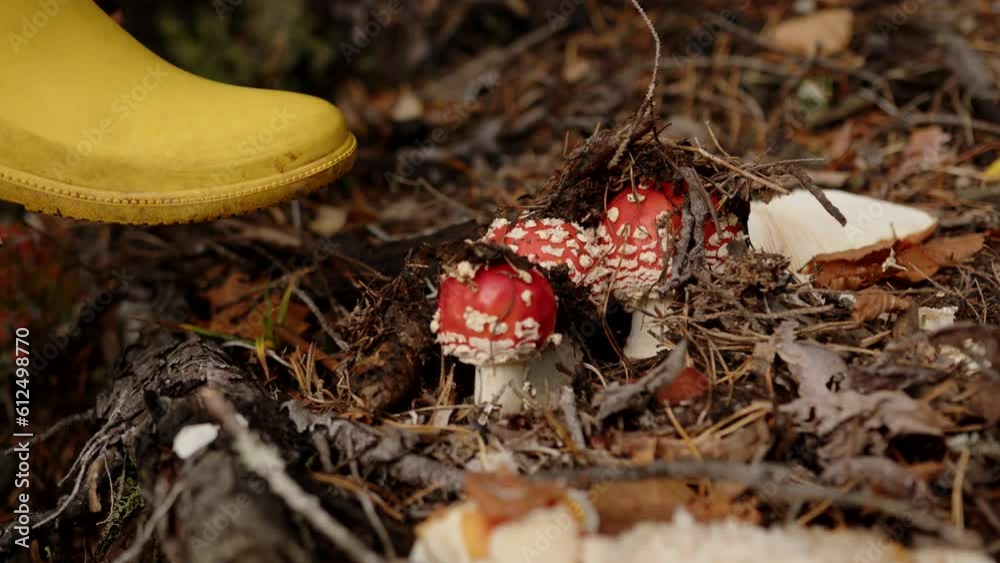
(312, 319)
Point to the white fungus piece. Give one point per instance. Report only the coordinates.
(193, 438)
(798, 227)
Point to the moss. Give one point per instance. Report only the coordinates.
(127, 506)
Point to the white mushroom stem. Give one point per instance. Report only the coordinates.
(538, 377)
(501, 384)
(644, 337)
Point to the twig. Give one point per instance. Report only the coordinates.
(56, 428)
(807, 184)
(567, 404)
(647, 103)
(264, 460)
(337, 339)
(135, 550)
(618, 398)
(369, 507)
(725, 164)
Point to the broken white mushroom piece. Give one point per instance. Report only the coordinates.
(464, 533)
(497, 318)
(193, 438)
(686, 540)
(798, 227)
(639, 231)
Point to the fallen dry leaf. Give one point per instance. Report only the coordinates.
(872, 302)
(621, 505)
(992, 172)
(939, 252)
(829, 31)
(851, 421)
(688, 384)
(239, 307)
(901, 261)
(926, 148)
(879, 473)
(985, 402)
(639, 447)
(504, 495)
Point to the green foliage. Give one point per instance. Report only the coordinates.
(127, 506)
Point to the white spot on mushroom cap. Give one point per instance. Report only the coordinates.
(517, 233)
(498, 224)
(613, 214)
(527, 329)
(553, 250)
(559, 234)
(478, 321)
(526, 297)
(465, 271)
(436, 321)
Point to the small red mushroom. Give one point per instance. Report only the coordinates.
(496, 317)
(639, 230)
(550, 243)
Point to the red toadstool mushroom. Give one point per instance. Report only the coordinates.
(639, 229)
(495, 317)
(550, 243)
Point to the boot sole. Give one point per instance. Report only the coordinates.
(48, 196)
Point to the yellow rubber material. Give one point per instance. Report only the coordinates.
(95, 126)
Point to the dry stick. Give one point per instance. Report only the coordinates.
(647, 103)
(567, 403)
(135, 550)
(618, 398)
(337, 339)
(58, 427)
(264, 460)
(725, 164)
(807, 183)
(818, 60)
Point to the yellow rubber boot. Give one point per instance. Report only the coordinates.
(95, 126)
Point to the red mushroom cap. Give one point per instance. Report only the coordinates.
(639, 229)
(494, 314)
(549, 243)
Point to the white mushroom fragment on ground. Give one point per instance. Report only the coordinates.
(798, 227)
(507, 520)
(689, 541)
(639, 231)
(563, 530)
(497, 318)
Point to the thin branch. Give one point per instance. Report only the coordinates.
(264, 460)
(647, 103)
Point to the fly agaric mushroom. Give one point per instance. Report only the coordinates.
(551, 243)
(638, 230)
(496, 317)
(502, 520)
